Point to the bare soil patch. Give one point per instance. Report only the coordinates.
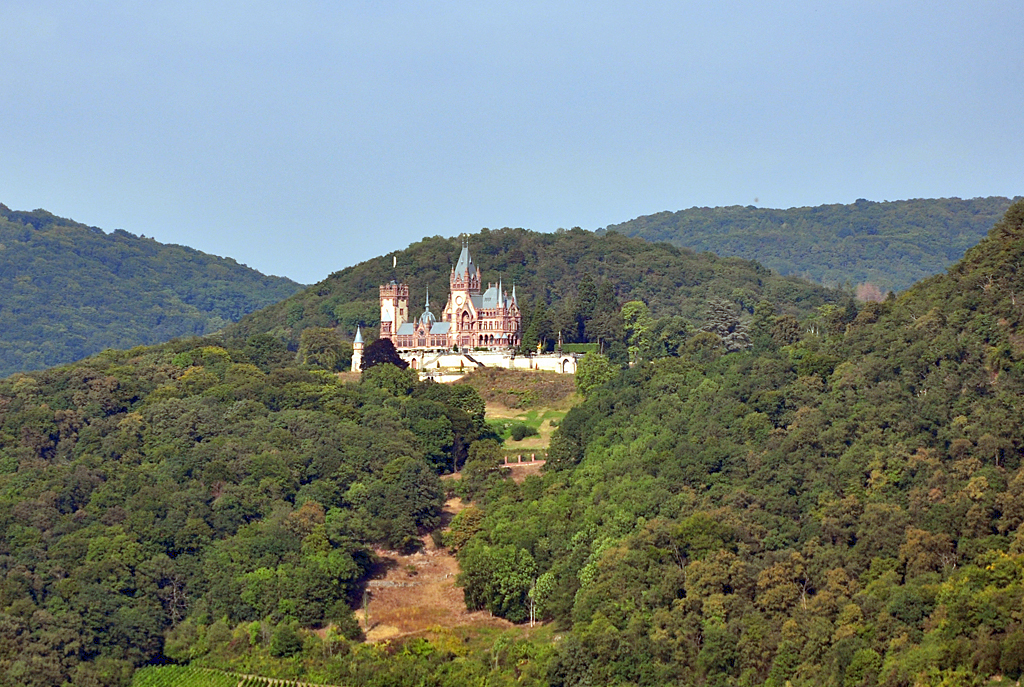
(417, 592)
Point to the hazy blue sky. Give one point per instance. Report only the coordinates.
(303, 137)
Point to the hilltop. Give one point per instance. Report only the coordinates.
(570, 281)
(890, 245)
(68, 290)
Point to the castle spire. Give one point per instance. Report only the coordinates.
(465, 265)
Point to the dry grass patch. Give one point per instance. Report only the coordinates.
(417, 592)
(521, 389)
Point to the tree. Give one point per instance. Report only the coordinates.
(285, 641)
(394, 380)
(380, 352)
(723, 322)
(322, 347)
(592, 371)
(636, 319)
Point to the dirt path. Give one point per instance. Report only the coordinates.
(418, 592)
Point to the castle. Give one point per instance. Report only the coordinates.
(470, 320)
(473, 330)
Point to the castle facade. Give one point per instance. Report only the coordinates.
(470, 320)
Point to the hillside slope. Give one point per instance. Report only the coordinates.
(145, 492)
(840, 505)
(68, 291)
(890, 245)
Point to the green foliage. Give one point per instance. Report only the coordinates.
(592, 371)
(520, 431)
(322, 347)
(69, 291)
(889, 245)
(176, 676)
(835, 502)
(395, 380)
(580, 348)
(158, 498)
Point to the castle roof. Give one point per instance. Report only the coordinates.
(428, 317)
(409, 328)
(359, 335)
(465, 263)
(491, 298)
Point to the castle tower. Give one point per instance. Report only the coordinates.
(394, 308)
(465, 275)
(357, 351)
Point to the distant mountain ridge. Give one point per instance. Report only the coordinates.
(890, 244)
(68, 290)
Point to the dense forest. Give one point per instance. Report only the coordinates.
(785, 492)
(153, 501)
(890, 245)
(839, 503)
(68, 291)
(569, 282)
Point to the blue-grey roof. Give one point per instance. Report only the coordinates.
(491, 298)
(427, 317)
(465, 263)
(441, 328)
(359, 336)
(406, 328)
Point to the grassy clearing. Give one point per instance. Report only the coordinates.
(544, 420)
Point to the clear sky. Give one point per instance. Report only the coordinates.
(302, 137)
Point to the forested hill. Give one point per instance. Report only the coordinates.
(830, 499)
(68, 290)
(890, 245)
(839, 504)
(577, 277)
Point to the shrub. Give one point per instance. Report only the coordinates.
(520, 431)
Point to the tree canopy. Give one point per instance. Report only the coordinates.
(880, 246)
(836, 503)
(152, 500)
(68, 291)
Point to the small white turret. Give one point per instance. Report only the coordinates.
(357, 351)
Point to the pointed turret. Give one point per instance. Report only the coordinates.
(357, 350)
(465, 265)
(465, 275)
